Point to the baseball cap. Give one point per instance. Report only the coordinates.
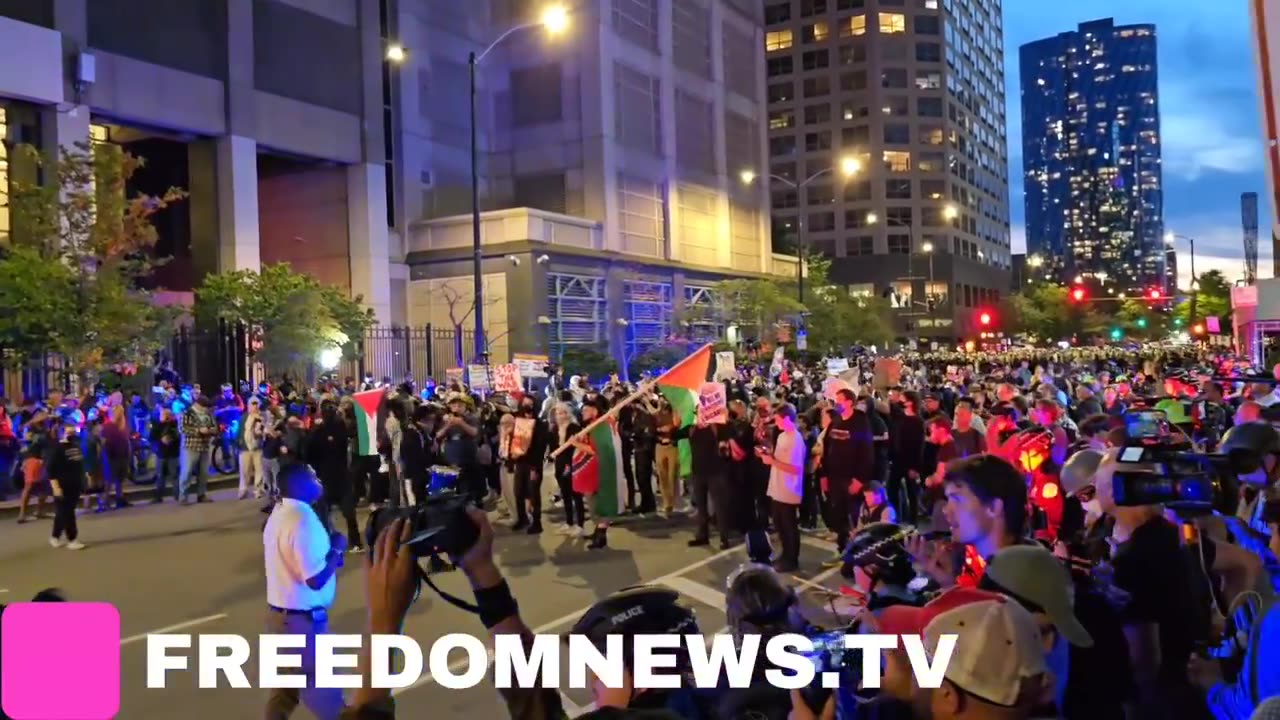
(1039, 582)
(998, 649)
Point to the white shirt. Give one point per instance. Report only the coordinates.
(295, 545)
(787, 487)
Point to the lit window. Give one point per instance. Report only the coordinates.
(816, 32)
(897, 161)
(858, 25)
(892, 23)
(777, 40)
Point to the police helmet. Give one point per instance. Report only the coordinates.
(638, 610)
(878, 549)
(1079, 469)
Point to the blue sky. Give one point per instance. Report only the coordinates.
(1209, 116)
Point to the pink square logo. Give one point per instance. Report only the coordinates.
(38, 638)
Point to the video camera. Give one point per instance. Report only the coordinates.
(438, 525)
(1157, 467)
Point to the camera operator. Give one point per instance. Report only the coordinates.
(392, 581)
(1162, 621)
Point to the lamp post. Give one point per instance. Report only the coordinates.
(949, 212)
(1171, 238)
(849, 166)
(554, 19)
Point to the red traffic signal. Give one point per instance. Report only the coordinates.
(1154, 294)
(1078, 294)
(1197, 329)
(984, 319)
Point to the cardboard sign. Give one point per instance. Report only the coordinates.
(833, 385)
(479, 377)
(455, 375)
(531, 366)
(725, 369)
(888, 372)
(506, 378)
(713, 405)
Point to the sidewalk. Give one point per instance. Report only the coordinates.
(133, 493)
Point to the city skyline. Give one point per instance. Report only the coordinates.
(1212, 147)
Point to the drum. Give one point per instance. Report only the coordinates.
(443, 478)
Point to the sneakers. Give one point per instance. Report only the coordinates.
(564, 529)
(578, 532)
(56, 542)
(75, 545)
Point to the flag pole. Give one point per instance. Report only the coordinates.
(625, 402)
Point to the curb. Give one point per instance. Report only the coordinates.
(9, 506)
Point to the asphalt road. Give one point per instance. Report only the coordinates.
(198, 569)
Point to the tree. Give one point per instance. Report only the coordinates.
(1139, 320)
(461, 304)
(290, 317)
(1212, 295)
(587, 360)
(71, 276)
(1046, 312)
(837, 320)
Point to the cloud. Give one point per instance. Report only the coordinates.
(1198, 135)
(1219, 246)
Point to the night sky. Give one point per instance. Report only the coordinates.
(1209, 117)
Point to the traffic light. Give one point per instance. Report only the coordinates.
(1142, 323)
(1197, 329)
(1116, 333)
(1078, 294)
(1154, 294)
(984, 319)
(1177, 322)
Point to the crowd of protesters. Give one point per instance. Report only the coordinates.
(981, 478)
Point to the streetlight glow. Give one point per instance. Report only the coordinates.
(555, 18)
(1035, 261)
(1168, 238)
(396, 53)
(871, 218)
(927, 247)
(950, 212)
(849, 166)
(747, 176)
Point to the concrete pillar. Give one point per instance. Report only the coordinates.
(367, 233)
(239, 86)
(68, 124)
(236, 162)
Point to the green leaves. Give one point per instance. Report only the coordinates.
(72, 275)
(290, 315)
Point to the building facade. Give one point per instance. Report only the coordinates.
(609, 162)
(267, 111)
(914, 90)
(1091, 156)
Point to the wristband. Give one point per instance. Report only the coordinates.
(495, 604)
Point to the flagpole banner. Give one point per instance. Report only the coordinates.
(366, 411)
(599, 473)
(682, 386)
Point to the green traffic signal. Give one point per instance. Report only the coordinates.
(1116, 334)
(1142, 323)
(1177, 322)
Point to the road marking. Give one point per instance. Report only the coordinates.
(697, 591)
(458, 665)
(171, 628)
(818, 543)
(571, 708)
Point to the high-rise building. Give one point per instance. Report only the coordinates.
(1091, 156)
(914, 90)
(610, 156)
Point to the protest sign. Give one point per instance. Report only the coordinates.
(713, 405)
(506, 378)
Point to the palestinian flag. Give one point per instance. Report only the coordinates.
(367, 405)
(599, 473)
(682, 385)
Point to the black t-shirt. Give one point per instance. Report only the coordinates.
(847, 450)
(1153, 568)
(968, 442)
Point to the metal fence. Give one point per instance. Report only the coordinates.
(212, 356)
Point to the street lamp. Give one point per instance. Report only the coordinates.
(1170, 239)
(396, 53)
(555, 20)
(848, 166)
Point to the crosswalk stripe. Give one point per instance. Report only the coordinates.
(697, 591)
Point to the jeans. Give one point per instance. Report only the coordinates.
(194, 464)
(252, 476)
(711, 489)
(785, 521)
(166, 472)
